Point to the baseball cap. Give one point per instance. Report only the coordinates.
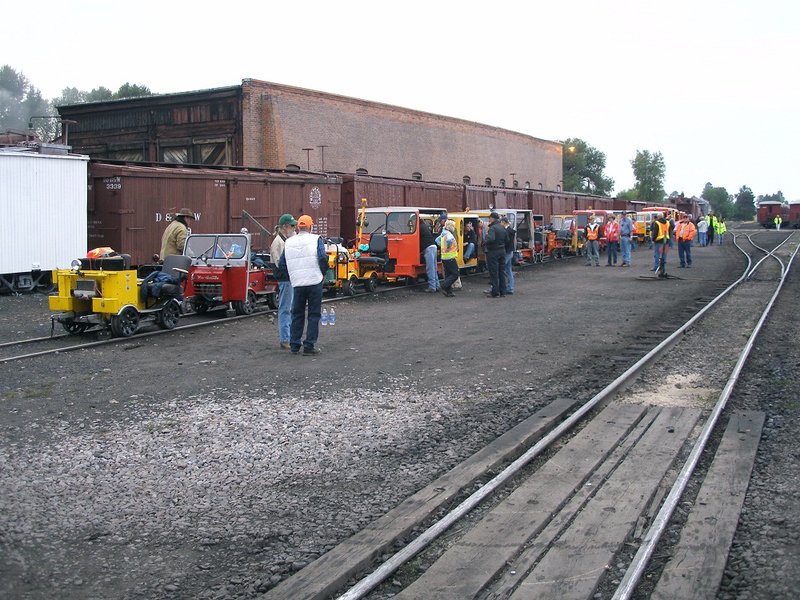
(287, 219)
(305, 222)
(494, 215)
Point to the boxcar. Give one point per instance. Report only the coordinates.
(389, 191)
(43, 208)
(130, 205)
(769, 209)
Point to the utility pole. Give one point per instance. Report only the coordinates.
(322, 154)
(308, 158)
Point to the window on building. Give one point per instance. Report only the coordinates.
(515, 183)
(488, 181)
(127, 154)
(362, 171)
(541, 187)
(416, 176)
(558, 188)
(175, 155)
(502, 183)
(527, 185)
(292, 167)
(466, 179)
(210, 152)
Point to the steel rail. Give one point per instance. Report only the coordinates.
(371, 581)
(31, 340)
(767, 253)
(138, 336)
(642, 557)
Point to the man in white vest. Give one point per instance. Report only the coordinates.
(305, 258)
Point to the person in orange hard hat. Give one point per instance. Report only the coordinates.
(305, 259)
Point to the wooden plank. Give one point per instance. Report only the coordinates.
(466, 567)
(517, 570)
(696, 567)
(573, 566)
(326, 575)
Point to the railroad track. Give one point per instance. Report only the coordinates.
(574, 501)
(58, 343)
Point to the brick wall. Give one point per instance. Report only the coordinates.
(279, 121)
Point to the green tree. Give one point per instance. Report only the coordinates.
(19, 101)
(583, 167)
(777, 197)
(630, 194)
(745, 205)
(648, 170)
(132, 90)
(721, 202)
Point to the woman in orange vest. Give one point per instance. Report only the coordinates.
(685, 232)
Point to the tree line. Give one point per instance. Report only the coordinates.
(22, 107)
(583, 173)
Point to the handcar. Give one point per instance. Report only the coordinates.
(103, 291)
(224, 269)
(391, 241)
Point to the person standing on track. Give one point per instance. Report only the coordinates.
(662, 235)
(702, 231)
(684, 234)
(592, 232)
(625, 234)
(496, 256)
(283, 231)
(611, 232)
(305, 259)
(778, 220)
(174, 238)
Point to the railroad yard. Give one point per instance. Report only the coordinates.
(208, 463)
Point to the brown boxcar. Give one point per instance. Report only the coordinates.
(130, 205)
(388, 191)
(477, 197)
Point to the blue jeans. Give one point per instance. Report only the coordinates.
(310, 295)
(701, 238)
(430, 267)
(592, 249)
(625, 243)
(611, 249)
(469, 251)
(685, 252)
(656, 255)
(509, 273)
(285, 296)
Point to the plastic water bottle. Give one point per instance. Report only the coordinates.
(324, 320)
(332, 318)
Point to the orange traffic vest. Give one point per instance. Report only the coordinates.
(663, 231)
(685, 231)
(592, 231)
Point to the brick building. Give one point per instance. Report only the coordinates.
(261, 124)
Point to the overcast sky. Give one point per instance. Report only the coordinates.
(711, 84)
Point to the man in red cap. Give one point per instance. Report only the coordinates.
(306, 261)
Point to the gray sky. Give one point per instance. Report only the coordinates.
(711, 84)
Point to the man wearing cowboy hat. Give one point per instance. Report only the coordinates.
(174, 237)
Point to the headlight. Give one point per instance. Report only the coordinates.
(75, 265)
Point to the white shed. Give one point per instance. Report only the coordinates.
(42, 214)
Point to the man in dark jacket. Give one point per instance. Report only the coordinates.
(496, 256)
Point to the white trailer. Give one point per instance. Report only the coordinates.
(43, 226)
